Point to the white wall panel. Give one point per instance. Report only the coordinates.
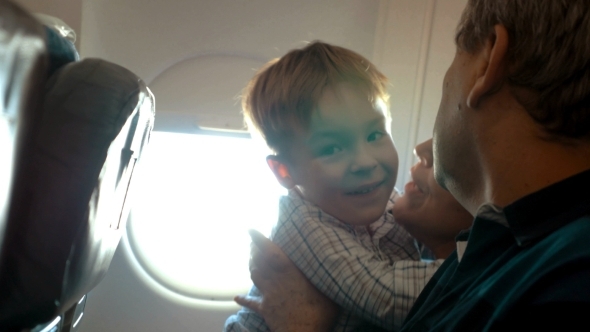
(149, 36)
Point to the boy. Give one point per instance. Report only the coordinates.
(322, 110)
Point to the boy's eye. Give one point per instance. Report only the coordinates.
(375, 136)
(330, 150)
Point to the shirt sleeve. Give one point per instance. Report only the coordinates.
(246, 320)
(352, 275)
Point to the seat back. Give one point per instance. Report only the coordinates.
(69, 200)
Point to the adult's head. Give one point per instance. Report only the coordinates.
(427, 211)
(516, 96)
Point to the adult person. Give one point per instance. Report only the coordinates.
(512, 144)
(427, 211)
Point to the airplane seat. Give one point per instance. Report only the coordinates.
(70, 142)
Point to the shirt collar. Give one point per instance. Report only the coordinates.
(538, 214)
(376, 230)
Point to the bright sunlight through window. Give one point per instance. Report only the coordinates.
(197, 197)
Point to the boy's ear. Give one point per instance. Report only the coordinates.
(494, 51)
(280, 170)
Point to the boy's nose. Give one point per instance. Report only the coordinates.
(363, 161)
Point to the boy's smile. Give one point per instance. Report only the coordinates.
(346, 162)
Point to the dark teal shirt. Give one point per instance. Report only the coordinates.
(525, 267)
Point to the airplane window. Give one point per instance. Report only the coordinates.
(198, 196)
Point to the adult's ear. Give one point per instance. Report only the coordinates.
(280, 170)
(494, 53)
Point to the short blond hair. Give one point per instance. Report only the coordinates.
(278, 102)
(549, 54)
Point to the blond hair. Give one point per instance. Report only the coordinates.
(278, 102)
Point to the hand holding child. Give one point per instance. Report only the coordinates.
(290, 302)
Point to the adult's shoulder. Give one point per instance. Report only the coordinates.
(559, 265)
(568, 243)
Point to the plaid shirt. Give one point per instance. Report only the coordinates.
(374, 279)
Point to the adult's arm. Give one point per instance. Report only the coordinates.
(290, 302)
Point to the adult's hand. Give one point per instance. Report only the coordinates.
(289, 301)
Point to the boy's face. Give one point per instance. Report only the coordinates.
(346, 162)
